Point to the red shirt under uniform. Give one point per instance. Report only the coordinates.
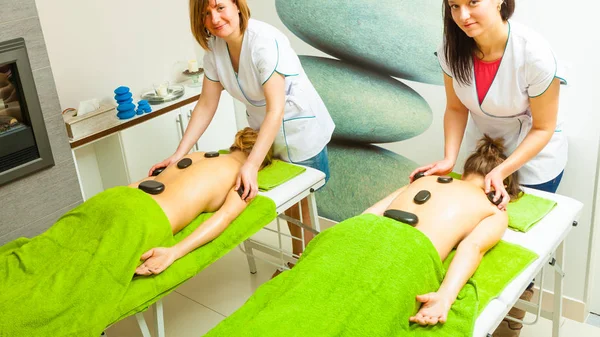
(484, 75)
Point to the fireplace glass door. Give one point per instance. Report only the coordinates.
(24, 146)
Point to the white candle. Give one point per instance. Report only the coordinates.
(192, 66)
(162, 90)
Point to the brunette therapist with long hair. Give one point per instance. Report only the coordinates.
(506, 78)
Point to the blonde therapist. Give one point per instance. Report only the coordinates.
(505, 77)
(255, 63)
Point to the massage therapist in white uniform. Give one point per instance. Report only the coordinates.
(505, 77)
(255, 63)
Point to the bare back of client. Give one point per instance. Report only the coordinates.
(453, 210)
(201, 187)
(198, 183)
(453, 214)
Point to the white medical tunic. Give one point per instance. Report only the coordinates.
(526, 70)
(307, 126)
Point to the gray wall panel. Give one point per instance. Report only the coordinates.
(34, 197)
(12, 10)
(37, 227)
(32, 204)
(31, 31)
(57, 134)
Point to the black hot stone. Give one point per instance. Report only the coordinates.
(183, 163)
(491, 195)
(444, 180)
(402, 216)
(152, 187)
(418, 175)
(422, 197)
(158, 171)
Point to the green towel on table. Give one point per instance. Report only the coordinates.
(77, 277)
(497, 269)
(358, 278)
(276, 174)
(527, 211)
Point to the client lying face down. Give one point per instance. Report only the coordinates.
(200, 182)
(453, 213)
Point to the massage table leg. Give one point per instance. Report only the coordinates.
(558, 289)
(312, 210)
(142, 323)
(283, 255)
(250, 256)
(159, 329)
(160, 319)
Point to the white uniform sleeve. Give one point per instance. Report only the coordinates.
(270, 55)
(442, 60)
(210, 66)
(540, 68)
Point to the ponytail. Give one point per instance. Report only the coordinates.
(487, 156)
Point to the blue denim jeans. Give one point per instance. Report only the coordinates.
(319, 162)
(549, 186)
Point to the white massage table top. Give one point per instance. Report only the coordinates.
(543, 239)
(295, 189)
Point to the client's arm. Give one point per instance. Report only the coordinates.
(158, 259)
(469, 253)
(382, 205)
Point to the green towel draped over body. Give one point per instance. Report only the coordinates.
(77, 277)
(358, 278)
(361, 277)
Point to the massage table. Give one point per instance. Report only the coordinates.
(547, 240)
(285, 196)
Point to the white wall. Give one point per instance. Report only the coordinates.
(572, 29)
(96, 46)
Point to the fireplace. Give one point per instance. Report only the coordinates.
(24, 145)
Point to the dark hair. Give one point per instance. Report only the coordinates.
(198, 14)
(459, 47)
(245, 140)
(489, 154)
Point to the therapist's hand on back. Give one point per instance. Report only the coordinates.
(171, 160)
(439, 168)
(495, 181)
(247, 178)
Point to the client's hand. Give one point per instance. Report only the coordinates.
(434, 309)
(156, 260)
(495, 179)
(171, 160)
(248, 179)
(441, 168)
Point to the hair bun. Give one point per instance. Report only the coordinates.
(489, 146)
(245, 140)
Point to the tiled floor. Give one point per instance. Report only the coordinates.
(202, 302)
(594, 320)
